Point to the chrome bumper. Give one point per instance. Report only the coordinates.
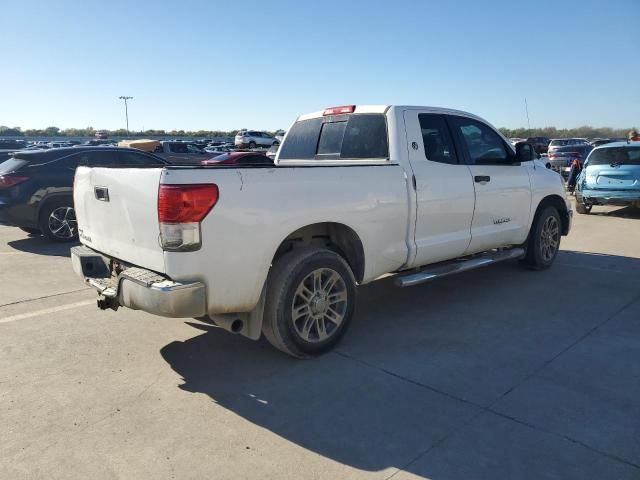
(138, 288)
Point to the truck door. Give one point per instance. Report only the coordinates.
(444, 189)
(502, 187)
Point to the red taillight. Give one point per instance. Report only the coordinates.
(7, 181)
(339, 110)
(186, 203)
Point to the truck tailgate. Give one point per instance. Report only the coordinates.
(117, 212)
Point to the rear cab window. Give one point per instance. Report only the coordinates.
(341, 137)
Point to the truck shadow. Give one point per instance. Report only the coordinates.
(39, 245)
(416, 364)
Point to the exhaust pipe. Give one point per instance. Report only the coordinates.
(231, 323)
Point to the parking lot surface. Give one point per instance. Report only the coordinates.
(496, 373)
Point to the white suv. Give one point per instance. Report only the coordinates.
(253, 139)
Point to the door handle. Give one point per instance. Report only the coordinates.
(482, 178)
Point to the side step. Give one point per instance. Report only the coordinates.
(458, 266)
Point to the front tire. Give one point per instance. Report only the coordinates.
(544, 239)
(252, 145)
(58, 221)
(311, 295)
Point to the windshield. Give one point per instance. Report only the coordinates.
(615, 156)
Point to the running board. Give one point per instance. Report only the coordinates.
(458, 266)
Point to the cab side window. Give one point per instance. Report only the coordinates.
(484, 145)
(438, 145)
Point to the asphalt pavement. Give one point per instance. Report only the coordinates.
(499, 373)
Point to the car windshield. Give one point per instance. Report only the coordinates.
(555, 143)
(615, 156)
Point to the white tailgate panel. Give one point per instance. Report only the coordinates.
(125, 227)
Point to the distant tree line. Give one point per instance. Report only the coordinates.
(553, 132)
(90, 132)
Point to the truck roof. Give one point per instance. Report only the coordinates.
(385, 108)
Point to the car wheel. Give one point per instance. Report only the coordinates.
(31, 231)
(58, 221)
(252, 145)
(583, 208)
(275, 144)
(310, 300)
(544, 239)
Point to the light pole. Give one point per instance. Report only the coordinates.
(126, 110)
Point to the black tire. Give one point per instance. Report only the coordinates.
(252, 145)
(582, 208)
(543, 243)
(275, 144)
(31, 231)
(287, 279)
(65, 230)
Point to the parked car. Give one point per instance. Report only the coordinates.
(273, 151)
(254, 139)
(173, 151)
(561, 158)
(515, 140)
(601, 141)
(239, 158)
(563, 142)
(7, 147)
(357, 192)
(279, 135)
(541, 144)
(610, 176)
(217, 150)
(36, 186)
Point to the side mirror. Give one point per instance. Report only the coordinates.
(525, 152)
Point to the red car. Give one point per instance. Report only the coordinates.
(239, 158)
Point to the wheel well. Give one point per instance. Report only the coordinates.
(334, 236)
(53, 198)
(560, 205)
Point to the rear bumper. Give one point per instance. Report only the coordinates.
(603, 197)
(138, 288)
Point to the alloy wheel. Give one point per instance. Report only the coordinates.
(62, 223)
(549, 238)
(319, 305)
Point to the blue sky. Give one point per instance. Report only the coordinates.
(224, 65)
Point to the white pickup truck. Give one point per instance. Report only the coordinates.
(356, 193)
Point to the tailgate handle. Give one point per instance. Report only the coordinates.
(482, 178)
(102, 193)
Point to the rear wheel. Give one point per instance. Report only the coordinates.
(310, 300)
(544, 239)
(583, 208)
(31, 231)
(58, 221)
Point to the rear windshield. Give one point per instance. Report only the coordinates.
(337, 138)
(555, 143)
(12, 165)
(616, 155)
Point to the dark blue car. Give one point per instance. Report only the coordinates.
(36, 187)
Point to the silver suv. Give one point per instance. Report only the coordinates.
(253, 139)
(565, 142)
